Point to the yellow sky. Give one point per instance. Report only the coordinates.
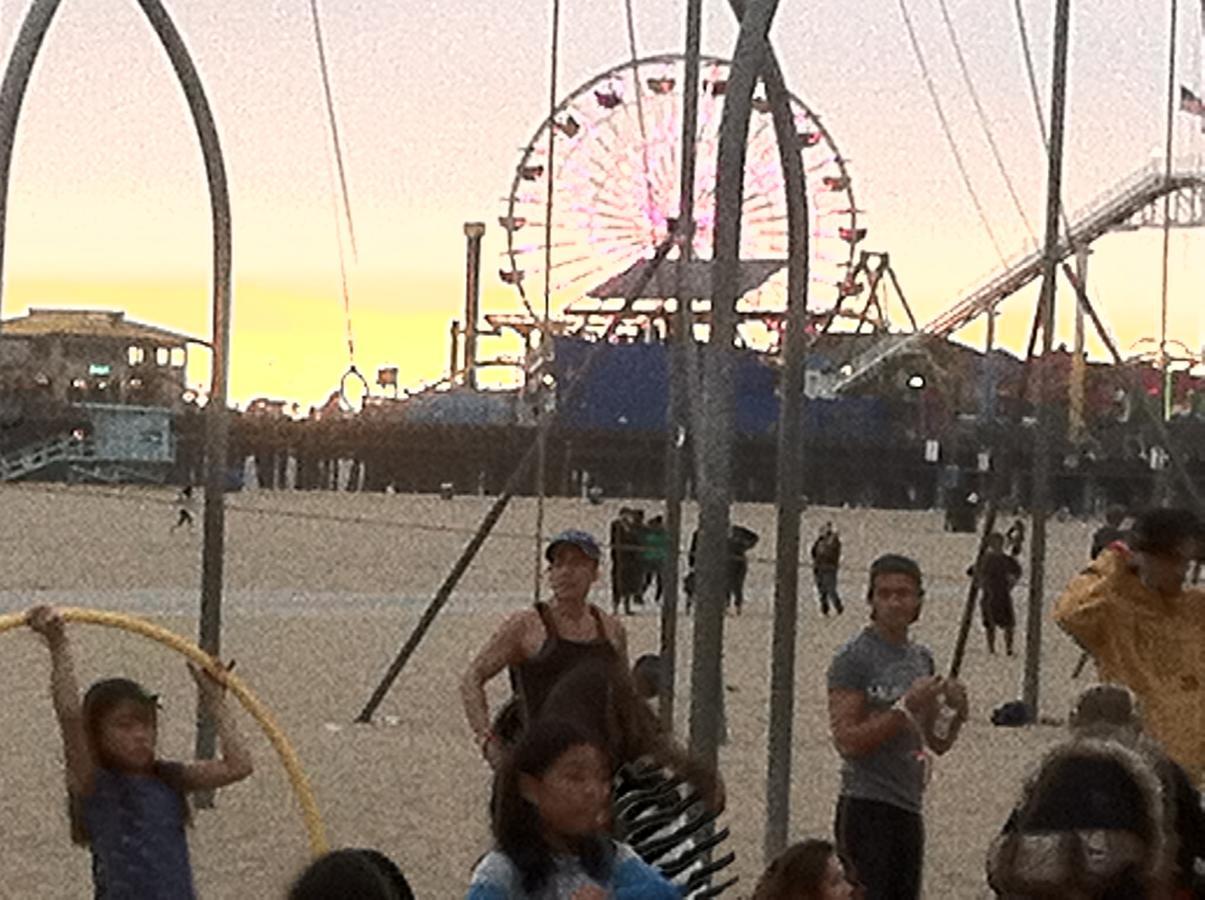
(289, 338)
(108, 207)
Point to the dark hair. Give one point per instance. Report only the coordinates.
(1114, 515)
(1163, 530)
(516, 824)
(601, 695)
(1105, 708)
(646, 673)
(895, 564)
(995, 540)
(797, 873)
(100, 700)
(354, 874)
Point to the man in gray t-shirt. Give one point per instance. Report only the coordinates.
(885, 703)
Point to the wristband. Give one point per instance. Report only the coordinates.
(903, 707)
(486, 739)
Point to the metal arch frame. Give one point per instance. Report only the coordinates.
(649, 61)
(12, 93)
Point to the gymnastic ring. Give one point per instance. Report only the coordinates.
(288, 757)
(352, 374)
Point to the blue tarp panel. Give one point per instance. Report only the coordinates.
(626, 389)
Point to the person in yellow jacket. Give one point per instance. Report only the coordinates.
(1131, 611)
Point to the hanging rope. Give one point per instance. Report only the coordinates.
(945, 127)
(1036, 96)
(334, 126)
(1167, 210)
(545, 330)
(640, 121)
(982, 115)
(351, 340)
(336, 145)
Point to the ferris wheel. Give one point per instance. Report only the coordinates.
(615, 186)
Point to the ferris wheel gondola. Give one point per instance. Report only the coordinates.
(615, 184)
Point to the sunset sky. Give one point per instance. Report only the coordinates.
(108, 207)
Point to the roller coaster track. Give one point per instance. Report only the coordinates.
(1128, 205)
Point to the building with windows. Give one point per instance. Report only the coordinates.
(89, 395)
(74, 356)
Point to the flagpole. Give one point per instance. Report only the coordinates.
(1165, 394)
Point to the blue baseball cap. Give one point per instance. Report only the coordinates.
(583, 540)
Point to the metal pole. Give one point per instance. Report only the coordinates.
(454, 351)
(679, 339)
(1040, 500)
(1169, 149)
(12, 94)
(473, 232)
(216, 415)
(790, 470)
(714, 483)
(12, 91)
(968, 608)
(1078, 360)
(541, 476)
(545, 332)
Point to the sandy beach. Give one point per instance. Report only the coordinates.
(321, 590)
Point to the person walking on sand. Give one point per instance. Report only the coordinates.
(186, 508)
(544, 644)
(997, 574)
(826, 561)
(1015, 537)
(1131, 611)
(887, 709)
(625, 561)
(126, 804)
(654, 551)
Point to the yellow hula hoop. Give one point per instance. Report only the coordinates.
(288, 757)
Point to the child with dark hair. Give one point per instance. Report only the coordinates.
(809, 870)
(125, 804)
(355, 874)
(550, 824)
(1130, 609)
(884, 701)
(1104, 815)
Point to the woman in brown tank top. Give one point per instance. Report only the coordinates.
(541, 645)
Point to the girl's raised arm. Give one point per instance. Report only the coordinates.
(64, 693)
(235, 762)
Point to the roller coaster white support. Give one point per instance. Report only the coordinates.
(1128, 205)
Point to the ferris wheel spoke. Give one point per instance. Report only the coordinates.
(643, 141)
(763, 220)
(616, 247)
(589, 273)
(609, 214)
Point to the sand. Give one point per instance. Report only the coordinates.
(321, 590)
